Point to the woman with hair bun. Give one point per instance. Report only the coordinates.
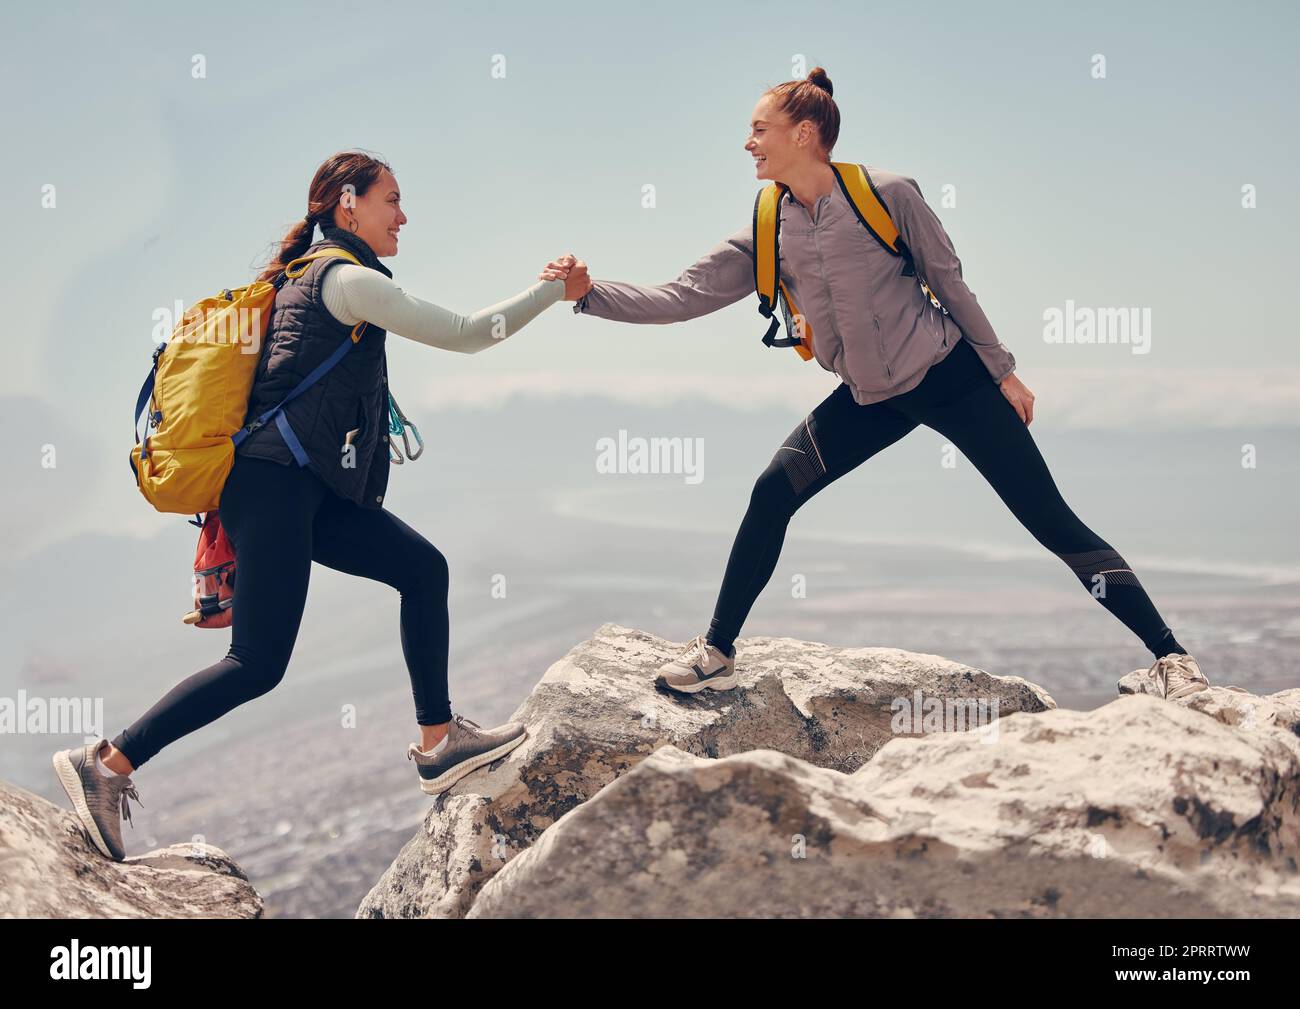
(906, 355)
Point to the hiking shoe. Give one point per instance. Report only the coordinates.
(468, 746)
(100, 802)
(1173, 676)
(701, 666)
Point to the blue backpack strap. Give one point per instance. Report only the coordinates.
(282, 422)
(291, 439)
(146, 391)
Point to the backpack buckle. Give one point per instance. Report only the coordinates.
(769, 338)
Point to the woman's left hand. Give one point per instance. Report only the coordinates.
(1019, 396)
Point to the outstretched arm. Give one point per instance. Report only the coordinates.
(352, 293)
(721, 277)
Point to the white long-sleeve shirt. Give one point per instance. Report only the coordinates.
(352, 293)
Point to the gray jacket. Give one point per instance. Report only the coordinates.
(872, 326)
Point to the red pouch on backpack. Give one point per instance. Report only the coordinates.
(214, 576)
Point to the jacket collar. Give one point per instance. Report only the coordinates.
(789, 195)
(335, 235)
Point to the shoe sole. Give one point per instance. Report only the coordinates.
(716, 683)
(71, 782)
(444, 781)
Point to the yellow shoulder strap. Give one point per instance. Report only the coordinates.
(319, 254)
(767, 270)
(767, 224)
(331, 253)
(866, 203)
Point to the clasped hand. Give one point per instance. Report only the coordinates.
(573, 271)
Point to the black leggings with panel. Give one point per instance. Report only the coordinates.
(959, 399)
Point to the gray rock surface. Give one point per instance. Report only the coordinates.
(1143, 807)
(49, 869)
(596, 714)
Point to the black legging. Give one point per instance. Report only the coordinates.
(959, 399)
(279, 519)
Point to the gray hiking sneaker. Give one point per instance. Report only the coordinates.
(1173, 676)
(701, 666)
(469, 746)
(100, 802)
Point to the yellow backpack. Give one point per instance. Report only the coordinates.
(866, 203)
(197, 393)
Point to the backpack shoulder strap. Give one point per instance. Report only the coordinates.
(767, 271)
(767, 265)
(277, 411)
(867, 204)
(865, 200)
(767, 227)
(292, 269)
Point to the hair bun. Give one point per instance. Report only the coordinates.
(818, 76)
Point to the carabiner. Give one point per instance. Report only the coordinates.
(394, 427)
(419, 441)
(398, 422)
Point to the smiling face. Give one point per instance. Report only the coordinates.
(775, 142)
(378, 214)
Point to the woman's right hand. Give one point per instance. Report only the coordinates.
(572, 271)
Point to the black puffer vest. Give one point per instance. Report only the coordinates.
(353, 394)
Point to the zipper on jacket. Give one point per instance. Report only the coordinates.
(821, 269)
(880, 341)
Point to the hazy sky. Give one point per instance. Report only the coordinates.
(1117, 192)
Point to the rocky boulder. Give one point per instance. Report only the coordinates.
(50, 869)
(596, 715)
(1141, 808)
